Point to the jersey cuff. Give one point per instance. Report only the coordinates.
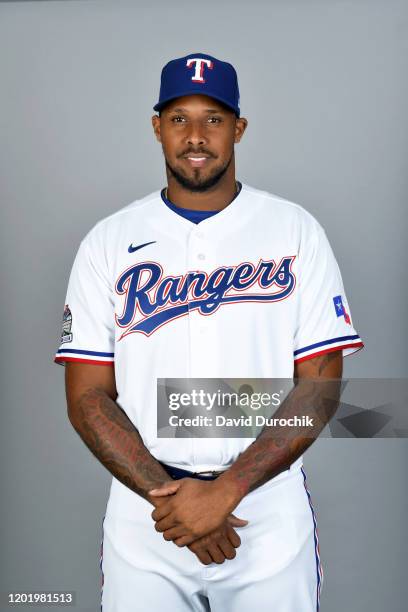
(348, 344)
(79, 356)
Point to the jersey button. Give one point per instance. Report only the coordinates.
(201, 256)
(200, 235)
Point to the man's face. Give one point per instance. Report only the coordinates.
(197, 134)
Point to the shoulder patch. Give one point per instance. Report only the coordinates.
(341, 309)
(66, 335)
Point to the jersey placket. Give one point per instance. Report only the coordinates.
(201, 257)
(202, 344)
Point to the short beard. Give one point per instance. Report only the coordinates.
(197, 185)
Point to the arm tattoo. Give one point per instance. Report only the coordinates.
(277, 447)
(113, 439)
(321, 364)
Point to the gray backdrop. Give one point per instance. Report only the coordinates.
(323, 84)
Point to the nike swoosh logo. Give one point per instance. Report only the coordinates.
(132, 249)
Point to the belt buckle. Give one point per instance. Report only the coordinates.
(213, 473)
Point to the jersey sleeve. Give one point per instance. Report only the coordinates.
(324, 319)
(88, 332)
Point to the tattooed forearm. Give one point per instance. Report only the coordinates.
(113, 439)
(319, 366)
(277, 447)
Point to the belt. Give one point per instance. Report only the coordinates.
(177, 473)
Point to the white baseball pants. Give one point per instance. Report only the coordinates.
(277, 567)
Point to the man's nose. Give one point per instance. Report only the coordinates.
(196, 134)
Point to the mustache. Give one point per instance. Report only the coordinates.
(200, 151)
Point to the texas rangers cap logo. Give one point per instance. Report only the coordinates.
(199, 63)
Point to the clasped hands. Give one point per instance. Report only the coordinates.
(197, 514)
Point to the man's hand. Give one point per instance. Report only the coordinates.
(193, 509)
(217, 546)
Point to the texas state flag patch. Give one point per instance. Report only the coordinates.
(341, 309)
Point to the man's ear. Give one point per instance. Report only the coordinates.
(240, 127)
(156, 127)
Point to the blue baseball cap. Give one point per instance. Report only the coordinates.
(199, 73)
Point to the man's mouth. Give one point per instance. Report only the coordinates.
(196, 161)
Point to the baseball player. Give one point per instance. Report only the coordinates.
(205, 278)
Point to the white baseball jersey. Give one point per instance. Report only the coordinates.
(245, 293)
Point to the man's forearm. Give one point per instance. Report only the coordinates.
(276, 448)
(114, 440)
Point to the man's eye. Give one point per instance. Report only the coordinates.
(214, 119)
(178, 119)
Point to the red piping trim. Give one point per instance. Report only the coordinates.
(62, 359)
(358, 345)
